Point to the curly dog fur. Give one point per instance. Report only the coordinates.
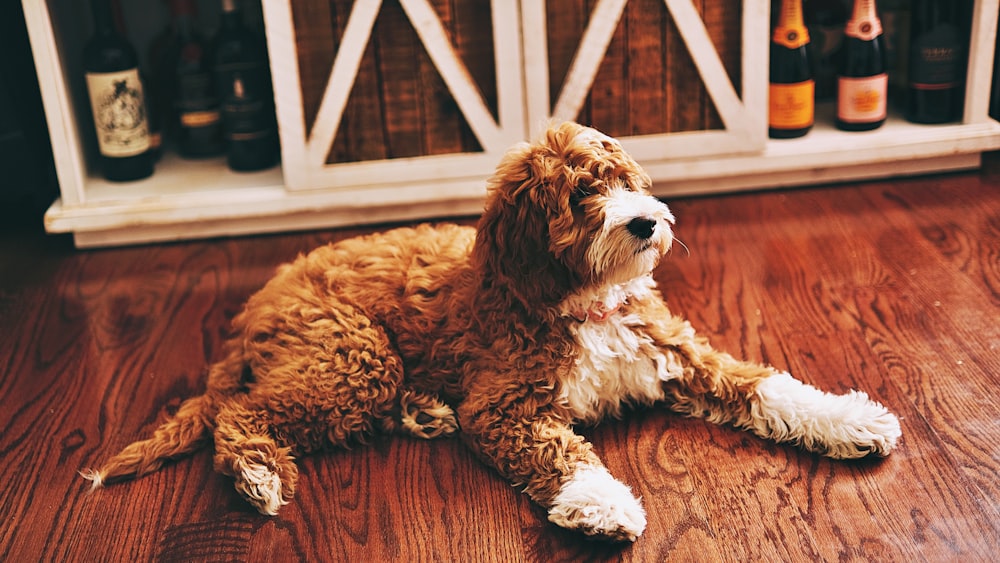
(544, 316)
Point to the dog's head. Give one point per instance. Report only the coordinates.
(569, 212)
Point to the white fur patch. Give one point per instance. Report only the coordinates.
(261, 487)
(95, 477)
(596, 503)
(617, 363)
(615, 253)
(840, 426)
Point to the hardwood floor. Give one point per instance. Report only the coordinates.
(889, 287)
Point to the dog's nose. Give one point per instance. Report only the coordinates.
(641, 227)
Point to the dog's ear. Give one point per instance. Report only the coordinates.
(513, 247)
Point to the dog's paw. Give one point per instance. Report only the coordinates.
(839, 426)
(426, 416)
(861, 427)
(595, 503)
(259, 483)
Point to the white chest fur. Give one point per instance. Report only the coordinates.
(617, 365)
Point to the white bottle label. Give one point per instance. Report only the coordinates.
(119, 112)
(862, 99)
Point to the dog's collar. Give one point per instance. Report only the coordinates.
(598, 312)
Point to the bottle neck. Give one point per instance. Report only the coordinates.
(791, 30)
(104, 22)
(864, 23)
(183, 13)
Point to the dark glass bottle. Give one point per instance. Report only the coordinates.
(862, 83)
(937, 62)
(116, 100)
(244, 83)
(791, 89)
(197, 120)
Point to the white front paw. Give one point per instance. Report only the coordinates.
(839, 426)
(861, 427)
(595, 503)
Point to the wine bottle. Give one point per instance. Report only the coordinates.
(244, 83)
(116, 100)
(791, 87)
(862, 83)
(197, 120)
(937, 61)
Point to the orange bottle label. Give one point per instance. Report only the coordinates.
(791, 106)
(862, 100)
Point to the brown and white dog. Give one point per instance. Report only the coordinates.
(543, 317)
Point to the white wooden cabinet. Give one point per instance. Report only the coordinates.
(192, 199)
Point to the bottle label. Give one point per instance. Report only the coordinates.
(791, 106)
(935, 62)
(119, 111)
(246, 115)
(862, 100)
(196, 103)
(194, 119)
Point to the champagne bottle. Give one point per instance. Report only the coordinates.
(791, 86)
(116, 100)
(937, 61)
(862, 83)
(244, 84)
(197, 121)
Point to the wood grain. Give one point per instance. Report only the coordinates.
(890, 287)
(647, 82)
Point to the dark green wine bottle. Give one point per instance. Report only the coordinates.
(116, 100)
(791, 90)
(937, 62)
(241, 75)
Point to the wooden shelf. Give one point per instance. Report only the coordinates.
(193, 199)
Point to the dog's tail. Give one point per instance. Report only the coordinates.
(189, 429)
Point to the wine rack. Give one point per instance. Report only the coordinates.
(715, 141)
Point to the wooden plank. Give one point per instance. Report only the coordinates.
(475, 42)
(979, 75)
(566, 21)
(710, 68)
(539, 73)
(455, 75)
(288, 102)
(441, 121)
(317, 37)
(353, 46)
(646, 21)
(608, 97)
(399, 58)
(587, 59)
(512, 69)
(67, 147)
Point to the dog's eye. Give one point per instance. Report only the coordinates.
(581, 192)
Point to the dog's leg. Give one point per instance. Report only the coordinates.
(265, 473)
(425, 415)
(773, 404)
(557, 468)
(322, 375)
